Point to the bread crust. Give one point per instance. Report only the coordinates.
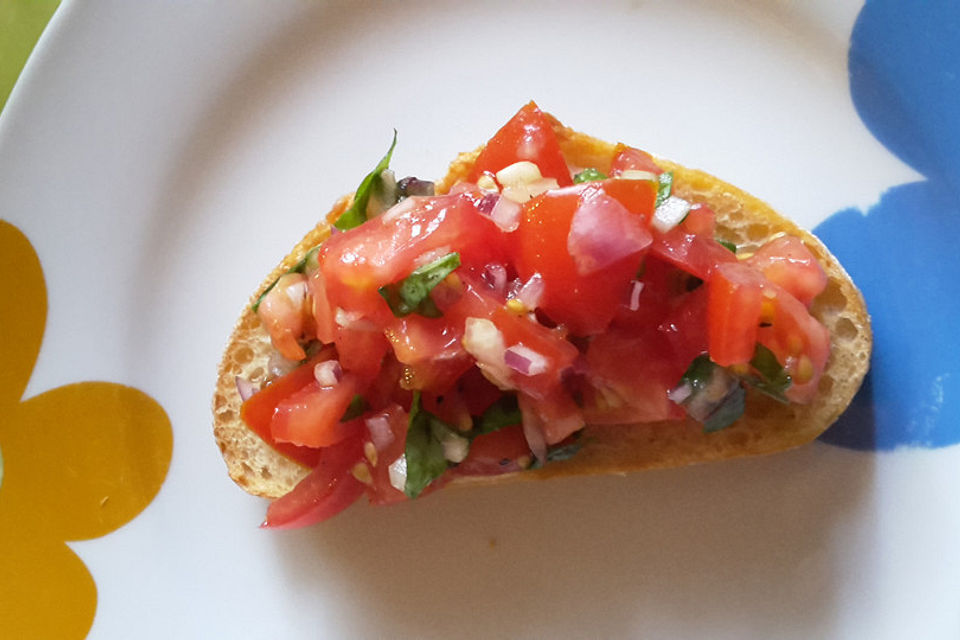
(766, 427)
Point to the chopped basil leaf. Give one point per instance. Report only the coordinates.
(716, 396)
(502, 413)
(768, 376)
(563, 451)
(412, 294)
(356, 214)
(560, 451)
(355, 409)
(728, 412)
(309, 259)
(664, 186)
(424, 448)
(729, 245)
(589, 175)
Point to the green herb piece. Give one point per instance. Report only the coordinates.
(424, 448)
(502, 413)
(664, 186)
(589, 175)
(717, 398)
(768, 375)
(357, 407)
(563, 451)
(729, 245)
(412, 294)
(728, 412)
(309, 260)
(356, 214)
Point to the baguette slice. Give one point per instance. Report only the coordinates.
(766, 427)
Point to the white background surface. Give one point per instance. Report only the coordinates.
(162, 157)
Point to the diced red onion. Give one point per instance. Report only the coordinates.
(506, 214)
(531, 292)
(380, 432)
(633, 298)
(488, 202)
(680, 393)
(670, 213)
(603, 231)
(533, 431)
(245, 388)
(495, 276)
(328, 373)
(525, 360)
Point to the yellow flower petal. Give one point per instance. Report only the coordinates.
(45, 590)
(83, 459)
(22, 314)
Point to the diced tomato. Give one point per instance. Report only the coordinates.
(700, 220)
(518, 329)
(664, 287)
(258, 410)
(326, 491)
(431, 350)
(361, 351)
(686, 326)
(323, 314)
(638, 196)
(311, 416)
(389, 442)
(559, 415)
(529, 135)
(798, 340)
(630, 159)
(585, 304)
(632, 373)
(787, 262)
(495, 453)
(696, 254)
(387, 249)
(733, 312)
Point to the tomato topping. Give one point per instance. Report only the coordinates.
(700, 220)
(694, 253)
(631, 373)
(387, 433)
(386, 249)
(258, 410)
(787, 262)
(361, 351)
(733, 312)
(326, 491)
(800, 343)
(323, 314)
(311, 416)
(630, 159)
(527, 136)
(585, 303)
(494, 453)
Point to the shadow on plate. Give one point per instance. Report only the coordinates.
(748, 548)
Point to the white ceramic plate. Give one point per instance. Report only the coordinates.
(162, 157)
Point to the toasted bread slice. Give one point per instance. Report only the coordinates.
(766, 427)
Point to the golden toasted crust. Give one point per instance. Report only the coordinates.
(766, 427)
